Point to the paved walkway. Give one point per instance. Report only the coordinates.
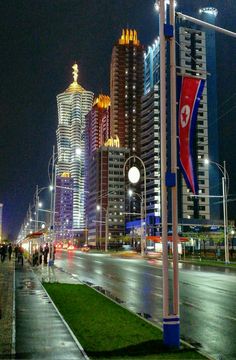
(6, 308)
(40, 331)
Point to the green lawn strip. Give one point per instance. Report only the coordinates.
(107, 330)
(213, 263)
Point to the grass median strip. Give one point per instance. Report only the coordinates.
(106, 330)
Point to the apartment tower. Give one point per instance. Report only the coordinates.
(73, 105)
(126, 88)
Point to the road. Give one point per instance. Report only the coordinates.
(207, 295)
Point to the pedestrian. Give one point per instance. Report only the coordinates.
(45, 254)
(20, 255)
(40, 254)
(35, 257)
(16, 250)
(9, 251)
(3, 252)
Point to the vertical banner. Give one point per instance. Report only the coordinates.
(190, 94)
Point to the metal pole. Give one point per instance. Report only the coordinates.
(205, 24)
(174, 171)
(51, 208)
(54, 201)
(226, 215)
(145, 190)
(36, 208)
(163, 165)
(106, 230)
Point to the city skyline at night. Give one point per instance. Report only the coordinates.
(37, 60)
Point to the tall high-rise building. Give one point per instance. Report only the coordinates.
(97, 124)
(73, 104)
(106, 189)
(126, 88)
(150, 134)
(191, 60)
(63, 222)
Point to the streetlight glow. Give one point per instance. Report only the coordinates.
(134, 175)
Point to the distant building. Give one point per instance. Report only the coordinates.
(126, 88)
(106, 189)
(73, 105)
(1, 208)
(63, 222)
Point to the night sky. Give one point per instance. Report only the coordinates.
(39, 42)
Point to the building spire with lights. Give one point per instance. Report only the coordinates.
(75, 87)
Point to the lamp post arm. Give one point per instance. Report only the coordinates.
(205, 24)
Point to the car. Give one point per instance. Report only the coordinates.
(58, 246)
(71, 247)
(85, 248)
(65, 246)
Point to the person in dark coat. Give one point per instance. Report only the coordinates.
(9, 251)
(45, 253)
(3, 252)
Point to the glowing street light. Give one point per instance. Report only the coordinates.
(134, 177)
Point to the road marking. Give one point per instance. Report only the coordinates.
(80, 265)
(97, 261)
(158, 295)
(229, 317)
(192, 305)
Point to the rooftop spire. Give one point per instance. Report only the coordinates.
(75, 87)
(75, 72)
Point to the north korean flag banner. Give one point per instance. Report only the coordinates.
(191, 89)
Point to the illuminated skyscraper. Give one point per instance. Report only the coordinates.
(73, 104)
(191, 59)
(97, 124)
(126, 87)
(63, 223)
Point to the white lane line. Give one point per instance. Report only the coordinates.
(97, 261)
(158, 295)
(228, 317)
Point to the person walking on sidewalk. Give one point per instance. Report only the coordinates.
(9, 251)
(3, 252)
(20, 255)
(45, 254)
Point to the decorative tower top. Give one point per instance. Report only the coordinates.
(129, 36)
(75, 72)
(75, 87)
(102, 101)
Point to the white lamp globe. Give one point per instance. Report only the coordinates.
(134, 175)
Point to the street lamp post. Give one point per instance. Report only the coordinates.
(225, 182)
(131, 192)
(171, 320)
(106, 224)
(134, 176)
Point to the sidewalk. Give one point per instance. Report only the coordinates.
(40, 331)
(6, 308)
